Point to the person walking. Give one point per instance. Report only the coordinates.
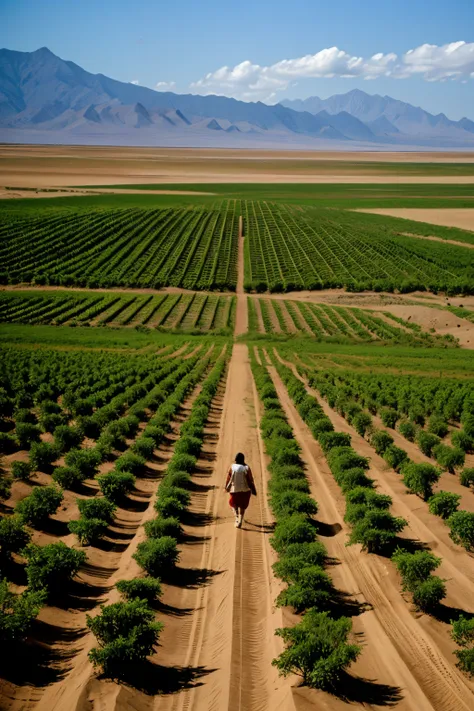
(240, 484)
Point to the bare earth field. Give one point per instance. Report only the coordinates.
(54, 166)
(462, 218)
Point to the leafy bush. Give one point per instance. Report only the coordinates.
(179, 479)
(466, 660)
(130, 462)
(5, 486)
(144, 447)
(49, 567)
(25, 415)
(395, 457)
(362, 423)
(298, 556)
(26, 434)
(467, 477)
(352, 478)
(182, 462)
(288, 502)
(461, 524)
(311, 588)
(66, 437)
(415, 568)
(292, 529)
(376, 530)
(157, 555)
(419, 478)
(438, 426)
(13, 535)
(467, 421)
(127, 634)
(148, 589)
(88, 530)
(170, 506)
(426, 441)
(389, 417)
(41, 503)
(444, 503)
(449, 457)
(369, 497)
(67, 477)
(317, 649)
(463, 631)
(407, 429)
(84, 461)
(8, 443)
(429, 594)
(42, 455)
(188, 445)
(329, 440)
(21, 470)
(115, 485)
(462, 440)
(17, 612)
(175, 492)
(97, 507)
(380, 441)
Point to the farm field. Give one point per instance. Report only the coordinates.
(135, 362)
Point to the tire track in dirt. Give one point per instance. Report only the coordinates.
(419, 657)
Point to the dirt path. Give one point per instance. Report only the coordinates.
(400, 650)
(241, 315)
(449, 217)
(228, 636)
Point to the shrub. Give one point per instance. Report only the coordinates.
(26, 434)
(97, 508)
(41, 503)
(182, 462)
(380, 441)
(343, 458)
(88, 530)
(362, 423)
(467, 420)
(49, 422)
(465, 660)
(376, 530)
(444, 503)
(66, 437)
(407, 429)
(49, 567)
(5, 486)
(429, 594)
(130, 462)
(8, 443)
(170, 506)
(329, 440)
(179, 479)
(311, 588)
(467, 477)
(67, 477)
(148, 589)
(419, 478)
(161, 526)
(461, 524)
(369, 497)
(17, 612)
(188, 445)
(449, 457)
(115, 485)
(292, 529)
(84, 461)
(13, 535)
(426, 441)
(288, 502)
(463, 631)
(395, 457)
(21, 470)
(157, 555)
(352, 478)
(298, 556)
(462, 440)
(320, 425)
(25, 415)
(438, 426)
(317, 649)
(389, 417)
(42, 455)
(415, 568)
(127, 634)
(144, 447)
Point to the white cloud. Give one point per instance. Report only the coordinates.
(252, 82)
(165, 85)
(135, 81)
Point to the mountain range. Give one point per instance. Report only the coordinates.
(45, 99)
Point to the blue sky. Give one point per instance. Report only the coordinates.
(190, 42)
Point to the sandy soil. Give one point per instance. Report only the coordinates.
(56, 166)
(449, 217)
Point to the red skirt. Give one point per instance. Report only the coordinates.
(240, 499)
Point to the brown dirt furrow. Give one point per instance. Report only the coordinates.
(415, 657)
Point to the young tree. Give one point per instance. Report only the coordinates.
(13, 535)
(17, 612)
(376, 530)
(317, 649)
(461, 524)
(419, 478)
(148, 589)
(115, 485)
(21, 470)
(49, 567)
(88, 530)
(157, 555)
(39, 505)
(415, 568)
(444, 503)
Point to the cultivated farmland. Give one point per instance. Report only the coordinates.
(124, 583)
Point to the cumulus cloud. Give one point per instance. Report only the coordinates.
(250, 81)
(165, 85)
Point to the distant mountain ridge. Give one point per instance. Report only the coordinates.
(44, 98)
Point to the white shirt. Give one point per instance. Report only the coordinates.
(238, 480)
